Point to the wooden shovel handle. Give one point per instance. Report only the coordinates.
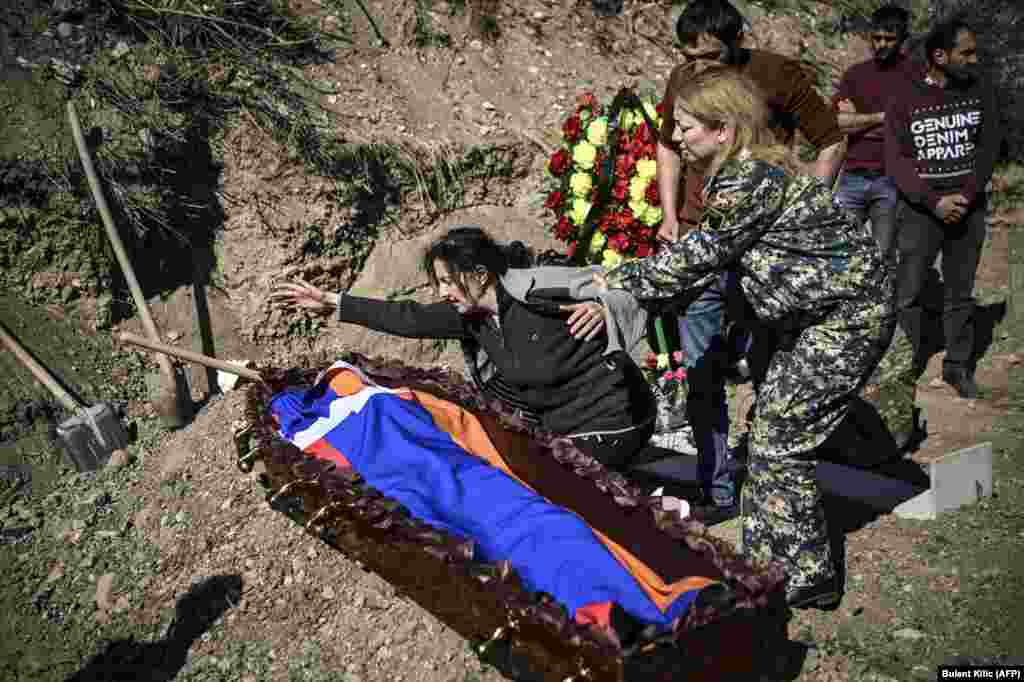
(191, 356)
(115, 240)
(37, 370)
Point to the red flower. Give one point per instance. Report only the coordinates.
(621, 190)
(651, 195)
(660, 108)
(620, 242)
(586, 101)
(643, 250)
(651, 361)
(554, 200)
(571, 129)
(624, 166)
(643, 134)
(564, 229)
(595, 195)
(571, 251)
(559, 161)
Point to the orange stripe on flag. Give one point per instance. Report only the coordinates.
(467, 431)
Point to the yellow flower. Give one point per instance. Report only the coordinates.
(597, 131)
(652, 216)
(597, 242)
(663, 362)
(581, 184)
(584, 155)
(646, 168)
(651, 111)
(580, 209)
(638, 188)
(611, 259)
(628, 120)
(639, 208)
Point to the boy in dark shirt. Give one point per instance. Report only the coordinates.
(942, 140)
(864, 188)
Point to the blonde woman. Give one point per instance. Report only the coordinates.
(819, 289)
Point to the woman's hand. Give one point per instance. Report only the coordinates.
(586, 320)
(302, 294)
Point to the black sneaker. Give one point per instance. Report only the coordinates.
(824, 595)
(962, 380)
(911, 439)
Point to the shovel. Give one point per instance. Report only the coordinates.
(88, 438)
(191, 356)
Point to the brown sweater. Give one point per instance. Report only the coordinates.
(788, 90)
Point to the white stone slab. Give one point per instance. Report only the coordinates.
(960, 478)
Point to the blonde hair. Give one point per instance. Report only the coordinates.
(720, 96)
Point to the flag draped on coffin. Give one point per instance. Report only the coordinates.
(435, 459)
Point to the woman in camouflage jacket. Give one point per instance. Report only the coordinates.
(813, 277)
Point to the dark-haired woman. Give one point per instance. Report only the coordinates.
(541, 340)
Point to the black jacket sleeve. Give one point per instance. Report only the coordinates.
(403, 318)
(988, 147)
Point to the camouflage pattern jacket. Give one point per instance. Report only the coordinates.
(798, 258)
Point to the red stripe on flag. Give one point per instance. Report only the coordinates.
(321, 449)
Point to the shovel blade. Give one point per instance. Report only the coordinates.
(89, 437)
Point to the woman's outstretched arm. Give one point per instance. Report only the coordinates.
(402, 318)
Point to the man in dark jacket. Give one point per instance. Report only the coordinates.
(942, 140)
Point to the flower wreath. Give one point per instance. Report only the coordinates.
(601, 183)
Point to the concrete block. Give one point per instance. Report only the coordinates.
(960, 478)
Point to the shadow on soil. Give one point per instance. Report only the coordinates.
(160, 661)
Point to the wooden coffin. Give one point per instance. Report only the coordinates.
(526, 635)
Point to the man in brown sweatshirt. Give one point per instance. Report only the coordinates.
(711, 32)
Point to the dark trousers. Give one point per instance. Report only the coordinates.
(618, 450)
(921, 237)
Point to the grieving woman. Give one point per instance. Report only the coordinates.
(542, 340)
(819, 288)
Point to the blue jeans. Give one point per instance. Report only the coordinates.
(871, 195)
(702, 335)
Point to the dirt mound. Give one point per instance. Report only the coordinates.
(300, 600)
